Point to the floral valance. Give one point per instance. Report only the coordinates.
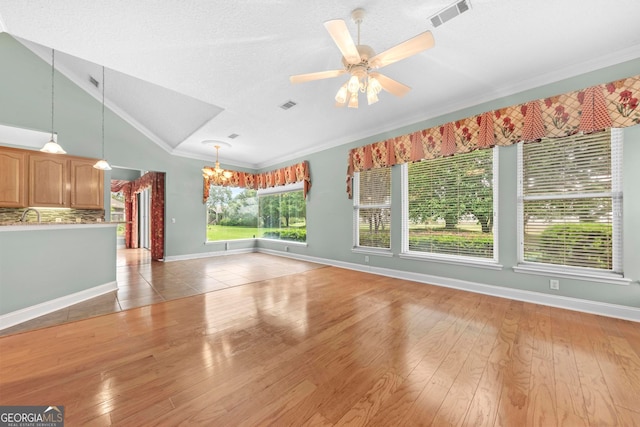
(286, 175)
(592, 109)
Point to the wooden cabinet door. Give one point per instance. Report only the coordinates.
(48, 178)
(13, 175)
(87, 185)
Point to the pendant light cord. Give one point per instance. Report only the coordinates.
(103, 112)
(53, 62)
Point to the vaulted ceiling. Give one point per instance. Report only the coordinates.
(189, 71)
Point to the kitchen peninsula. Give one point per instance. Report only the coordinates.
(45, 267)
(67, 255)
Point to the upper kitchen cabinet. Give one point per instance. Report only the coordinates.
(48, 180)
(32, 178)
(13, 177)
(87, 188)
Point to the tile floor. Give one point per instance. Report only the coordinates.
(142, 282)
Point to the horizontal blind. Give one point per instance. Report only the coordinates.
(571, 202)
(372, 219)
(450, 205)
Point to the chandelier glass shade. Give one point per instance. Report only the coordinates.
(217, 173)
(52, 146)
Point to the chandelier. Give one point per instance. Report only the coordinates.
(217, 173)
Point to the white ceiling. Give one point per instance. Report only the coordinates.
(188, 71)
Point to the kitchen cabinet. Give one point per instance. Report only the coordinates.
(86, 185)
(13, 177)
(32, 178)
(48, 180)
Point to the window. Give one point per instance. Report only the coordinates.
(372, 208)
(232, 213)
(240, 213)
(282, 213)
(570, 201)
(449, 206)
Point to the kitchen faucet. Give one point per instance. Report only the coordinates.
(24, 214)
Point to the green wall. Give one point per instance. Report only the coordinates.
(24, 84)
(41, 264)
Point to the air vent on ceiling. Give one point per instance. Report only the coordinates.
(450, 12)
(233, 136)
(288, 105)
(94, 81)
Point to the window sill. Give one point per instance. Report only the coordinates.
(460, 261)
(372, 251)
(609, 278)
(215, 242)
(284, 242)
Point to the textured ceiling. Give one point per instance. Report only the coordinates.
(237, 57)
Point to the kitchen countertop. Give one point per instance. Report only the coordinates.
(28, 226)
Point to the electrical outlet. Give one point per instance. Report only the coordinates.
(366, 259)
(286, 248)
(554, 284)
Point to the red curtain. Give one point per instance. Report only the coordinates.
(155, 181)
(157, 216)
(592, 109)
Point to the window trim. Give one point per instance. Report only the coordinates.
(490, 263)
(575, 272)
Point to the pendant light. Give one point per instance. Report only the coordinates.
(52, 146)
(102, 164)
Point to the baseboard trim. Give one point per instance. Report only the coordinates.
(208, 254)
(34, 311)
(558, 301)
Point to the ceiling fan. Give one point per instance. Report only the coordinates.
(360, 61)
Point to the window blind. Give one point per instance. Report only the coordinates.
(570, 201)
(372, 208)
(449, 206)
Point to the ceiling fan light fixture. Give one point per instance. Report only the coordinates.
(361, 62)
(354, 84)
(372, 96)
(374, 85)
(353, 100)
(341, 96)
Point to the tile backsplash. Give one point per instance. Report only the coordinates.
(9, 215)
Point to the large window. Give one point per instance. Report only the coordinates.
(372, 208)
(282, 214)
(570, 201)
(239, 213)
(232, 213)
(449, 206)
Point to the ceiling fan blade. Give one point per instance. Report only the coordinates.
(340, 34)
(302, 78)
(390, 85)
(422, 41)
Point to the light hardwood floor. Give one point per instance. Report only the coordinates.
(329, 346)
